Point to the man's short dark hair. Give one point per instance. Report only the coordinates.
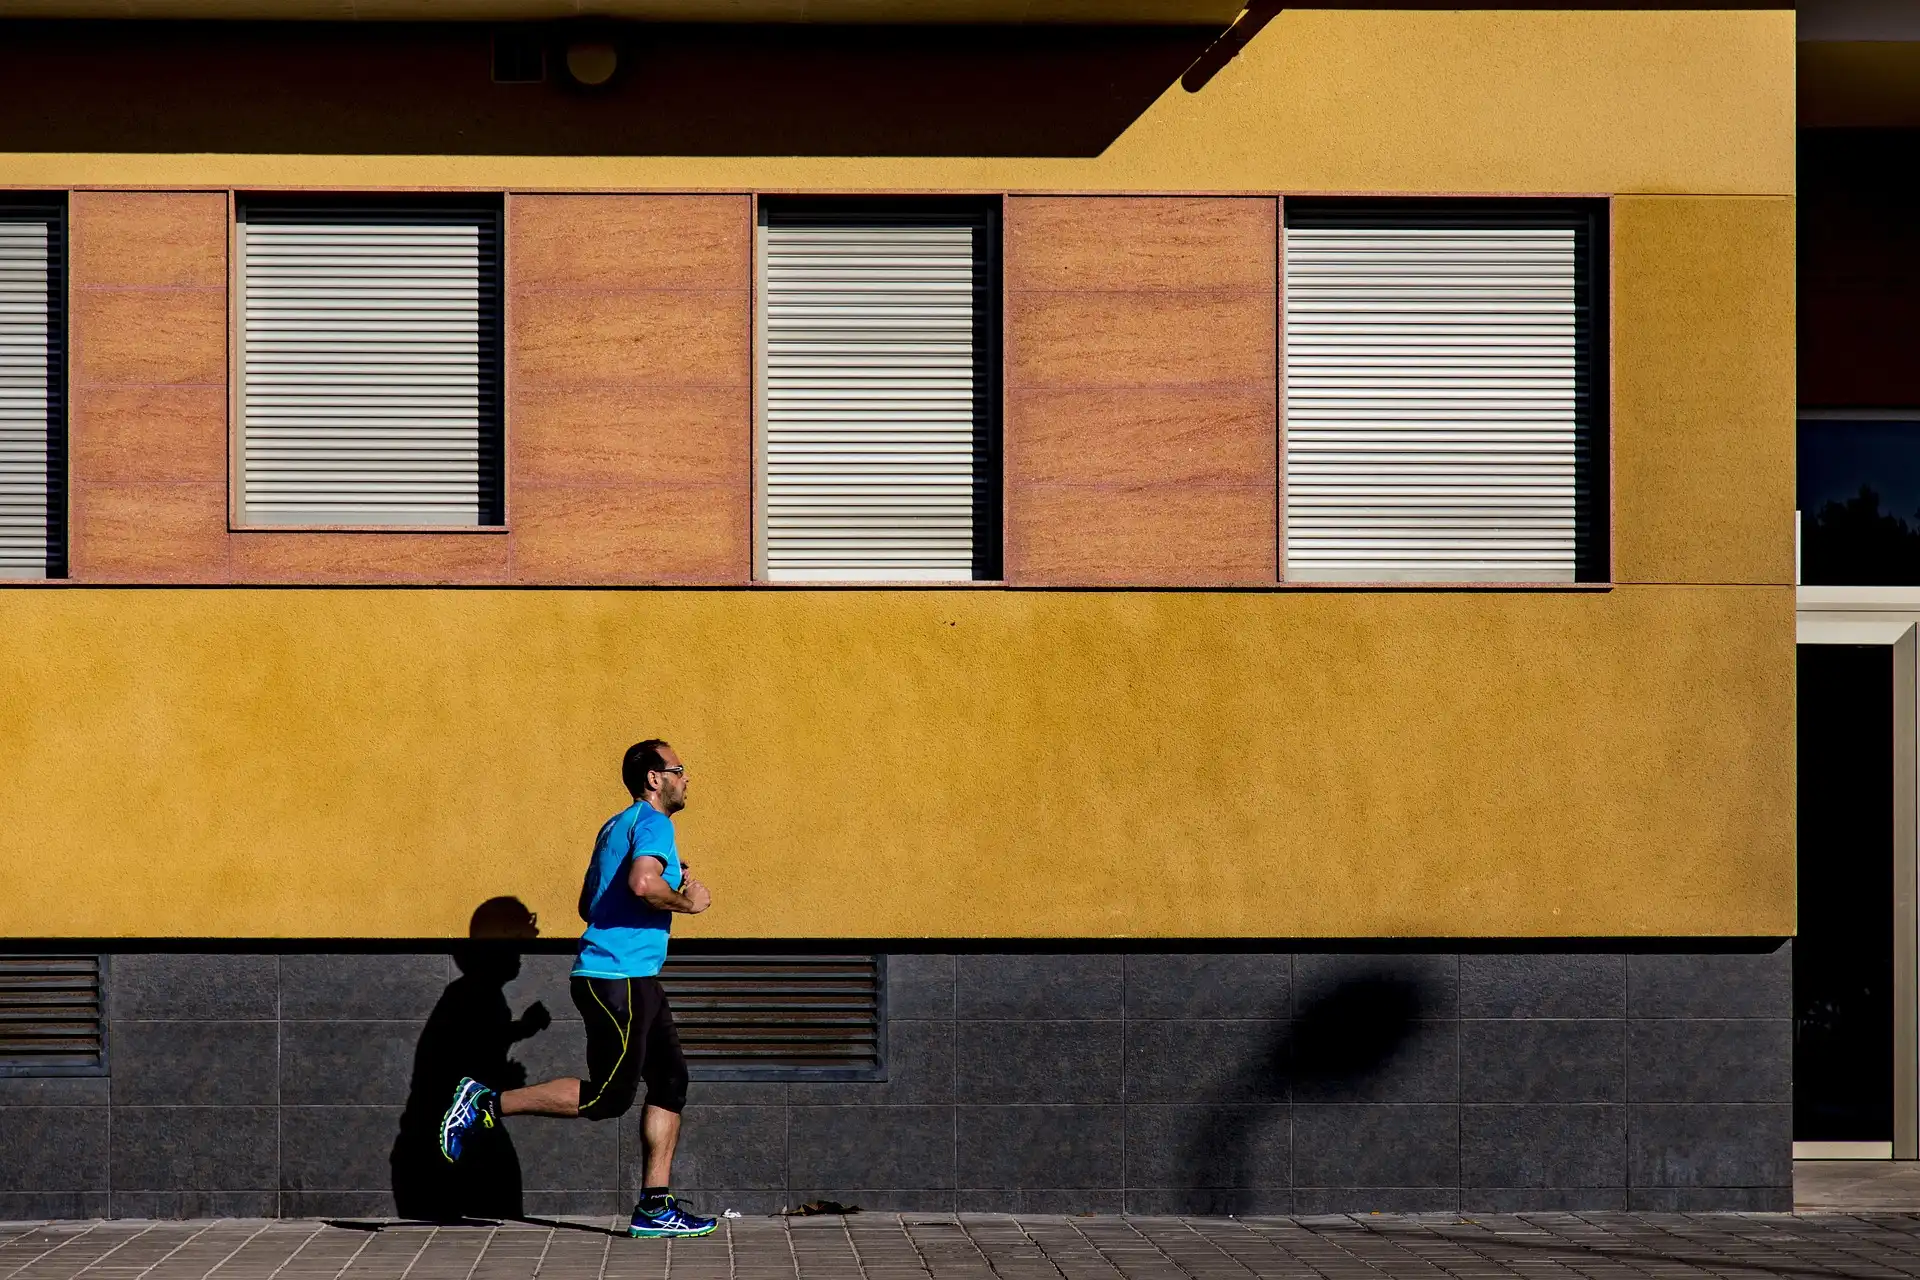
(642, 758)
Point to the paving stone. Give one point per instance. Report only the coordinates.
(943, 1245)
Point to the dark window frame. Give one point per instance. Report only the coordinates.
(1593, 421)
(989, 501)
(492, 463)
(59, 337)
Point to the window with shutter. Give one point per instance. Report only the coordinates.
(779, 1017)
(51, 1020)
(371, 364)
(1443, 396)
(879, 359)
(33, 380)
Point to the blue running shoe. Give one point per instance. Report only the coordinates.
(473, 1103)
(669, 1220)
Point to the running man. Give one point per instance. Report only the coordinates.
(634, 883)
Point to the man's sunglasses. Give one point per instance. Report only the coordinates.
(672, 768)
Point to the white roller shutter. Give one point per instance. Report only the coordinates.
(371, 372)
(1434, 395)
(875, 395)
(32, 435)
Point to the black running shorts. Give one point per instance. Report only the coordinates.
(630, 1038)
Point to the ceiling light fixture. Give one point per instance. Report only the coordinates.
(592, 62)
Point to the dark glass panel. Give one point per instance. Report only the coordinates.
(1859, 502)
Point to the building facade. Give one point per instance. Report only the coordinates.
(1227, 591)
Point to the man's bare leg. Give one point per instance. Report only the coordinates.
(550, 1098)
(661, 1131)
(659, 1127)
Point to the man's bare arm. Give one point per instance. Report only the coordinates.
(647, 879)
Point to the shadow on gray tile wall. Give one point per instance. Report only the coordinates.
(307, 1083)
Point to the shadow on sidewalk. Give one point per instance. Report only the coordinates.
(375, 1227)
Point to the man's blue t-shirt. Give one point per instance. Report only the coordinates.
(625, 937)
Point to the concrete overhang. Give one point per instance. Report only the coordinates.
(1859, 63)
(1123, 12)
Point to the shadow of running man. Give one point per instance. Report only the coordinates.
(469, 1033)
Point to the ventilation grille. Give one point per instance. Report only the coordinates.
(776, 1015)
(50, 1014)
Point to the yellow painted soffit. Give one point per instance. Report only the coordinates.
(1322, 100)
(1201, 12)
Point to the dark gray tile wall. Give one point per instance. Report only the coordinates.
(1230, 1082)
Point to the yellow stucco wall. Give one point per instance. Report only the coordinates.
(210, 762)
(1703, 389)
(1469, 101)
(233, 762)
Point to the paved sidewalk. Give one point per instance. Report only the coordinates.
(1822, 1186)
(918, 1246)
